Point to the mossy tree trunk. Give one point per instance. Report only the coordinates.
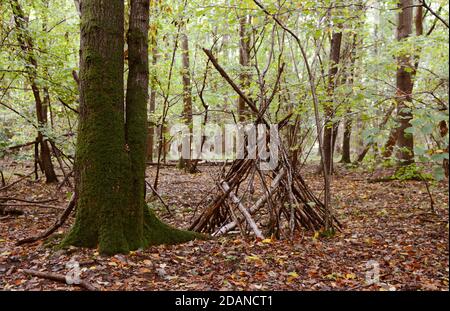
(111, 151)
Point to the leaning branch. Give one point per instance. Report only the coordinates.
(230, 81)
(316, 107)
(429, 9)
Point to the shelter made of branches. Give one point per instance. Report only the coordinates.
(286, 201)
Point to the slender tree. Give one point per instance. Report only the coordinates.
(153, 85)
(41, 104)
(244, 62)
(405, 140)
(330, 131)
(187, 96)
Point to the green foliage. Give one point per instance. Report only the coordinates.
(365, 99)
(410, 172)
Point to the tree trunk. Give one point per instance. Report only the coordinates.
(346, 157)
(152, 103)
(405, 141)
(330, 131)
(186, 164)
(346, 141)
(27, 46)
(403, 32)
(390, 143)
(443, 130)
(244, 62)
(151, 124)
(110, 157)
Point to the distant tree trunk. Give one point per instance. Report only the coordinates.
(186, 164)
(152, 103)
(244, 62)
(405, 141)
(110, 156)
(346, 157)
(330, 131)
(346, 141)
(27, 46)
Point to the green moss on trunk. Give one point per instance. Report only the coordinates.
(115, 240)
(110, 157)
(156, 232)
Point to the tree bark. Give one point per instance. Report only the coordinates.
(330, 131)
(152, 103)
(405, 141)
(443, 130)
(346, 141)
(244, 62)
(186, 164)
(111, 152)
(26, 44)
(346, 158)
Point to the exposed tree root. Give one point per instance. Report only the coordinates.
(154, 232)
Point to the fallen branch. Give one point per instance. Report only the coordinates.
(30, 204)
(24, 200)
(243, 210)
(58, 223)
(17, 181)
(21, 145)
(58, 278)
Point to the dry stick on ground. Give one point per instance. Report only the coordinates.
(30, 204)
(24, 200)
(58, 223)
(16, 182)
(59, 278)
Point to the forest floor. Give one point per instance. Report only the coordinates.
(388, 224)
